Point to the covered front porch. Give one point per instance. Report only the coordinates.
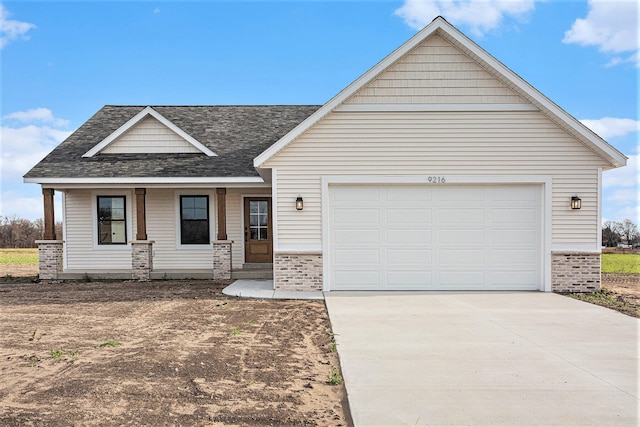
(148, 236)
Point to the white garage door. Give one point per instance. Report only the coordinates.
(435, 237)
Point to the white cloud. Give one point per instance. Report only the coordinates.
(627, 176)
(10, 29)
(22, 146)
(27, 206)
(43, 115)
(612, 26)
(481, 16)
(608, 127)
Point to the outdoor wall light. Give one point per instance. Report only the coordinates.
(576, 202)
(299, 203)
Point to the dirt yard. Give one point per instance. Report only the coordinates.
(163, 353)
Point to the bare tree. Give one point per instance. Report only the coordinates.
(628, 231)
(21, 233)
(610, 233)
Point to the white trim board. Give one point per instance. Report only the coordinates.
(434, 107)
(148, 180)
(147, 111)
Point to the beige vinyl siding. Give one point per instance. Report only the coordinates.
(150, 136)
(162, 228)
(442, 144)
(81, 250)
(436, 72)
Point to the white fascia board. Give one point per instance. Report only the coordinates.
(151, 180)
(147, 111)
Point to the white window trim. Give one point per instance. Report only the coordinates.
(212, 218)
(128, 216)
(544, 181)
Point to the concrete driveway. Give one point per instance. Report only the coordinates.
(491, 359)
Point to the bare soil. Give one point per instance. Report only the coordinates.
(620, 292)
(183, 354)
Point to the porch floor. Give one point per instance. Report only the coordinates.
(263, 289)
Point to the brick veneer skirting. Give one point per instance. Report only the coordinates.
(222, 259)
(141, 259)
(575, 272)
(297, 272)
(49, 259)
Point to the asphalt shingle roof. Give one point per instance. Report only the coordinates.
(236, 134)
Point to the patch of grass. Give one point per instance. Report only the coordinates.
(603, 298)
(19, 256)
(109, 343)
(332, 348)
(236, 332)
(621, 263)
(35, 337)
(334, 377)
(57, 354)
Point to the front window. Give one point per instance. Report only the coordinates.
(194, 220)
(112, 223)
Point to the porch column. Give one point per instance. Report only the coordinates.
(221, 201)
(141, 248)
(141, 214)
(49, 249)
(49, 215)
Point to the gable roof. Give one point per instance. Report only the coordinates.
(148, 111)
(235, 133)
(441, 27)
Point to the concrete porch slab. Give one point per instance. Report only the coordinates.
(263, 288)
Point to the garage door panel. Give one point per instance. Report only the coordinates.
(400, 236)
(461, 194)
(509, 216)
(358, 256)
(409, 279)
(364, 194)
(445, 237)
(408, 216)
(366, 236)
(511, 235)
(418, 257)
(356, 217)
(458, 217)
(461, 236)
(358, 279)
(408, 194)
(468, 279)
(512, 256)
(460, 256)
(510, 279)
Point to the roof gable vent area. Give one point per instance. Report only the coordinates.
(149, 132)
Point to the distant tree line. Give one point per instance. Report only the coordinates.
(614, 232)
(21, 233)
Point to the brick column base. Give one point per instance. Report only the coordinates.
(297, 272)
(575, 272)
(222, 259)
(49, 259)
(141, 259)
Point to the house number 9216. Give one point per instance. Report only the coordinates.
(436, 180)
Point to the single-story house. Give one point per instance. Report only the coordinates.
(439, 168)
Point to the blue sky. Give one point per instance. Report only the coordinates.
(62, 61)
